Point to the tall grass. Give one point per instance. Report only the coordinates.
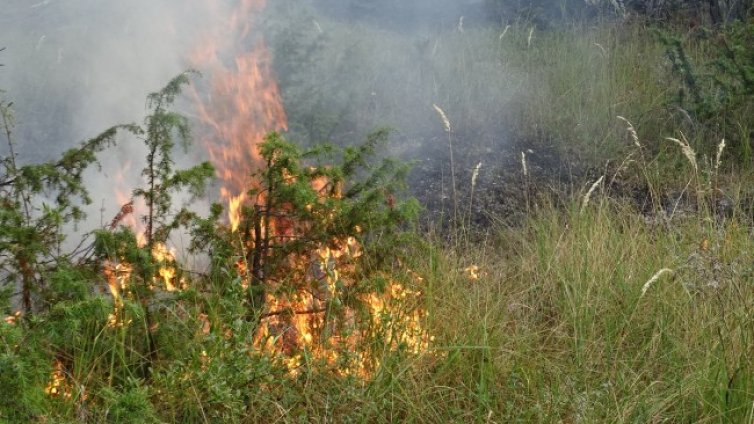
(562, 325)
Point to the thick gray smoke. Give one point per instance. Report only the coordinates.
(75, 67)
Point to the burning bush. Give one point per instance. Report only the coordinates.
(297, 249)
(306, 270)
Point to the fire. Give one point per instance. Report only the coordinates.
(240, 106)
(118, 275)
(125, 215)
(58, 384)
(167, 272)
(13, 318)
(304, 313)
(472, 272)
(243, 103)
(118, 272)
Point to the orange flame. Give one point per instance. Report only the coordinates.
(301, 321)
(58, 384)
(239, 107)
(244, 103)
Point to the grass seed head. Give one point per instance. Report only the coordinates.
(631, 130)
(653, 280)
(719, 157)
(475, 175)
(686, 149)
(589, 193)
(505, 31)
(528, 40)
(443, 117)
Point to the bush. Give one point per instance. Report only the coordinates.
(718, 90)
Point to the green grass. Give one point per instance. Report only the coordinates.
(556, 329)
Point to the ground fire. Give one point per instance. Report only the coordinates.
(298, 322)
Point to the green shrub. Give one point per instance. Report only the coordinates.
(131, 404)
(717, 89)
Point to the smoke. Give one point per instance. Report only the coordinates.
(76, 67)
(406, 16)
(345, 67)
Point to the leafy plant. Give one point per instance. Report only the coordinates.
(80, 353)
(37, 202)
(159, 132)
(305, 201)
(719, 92)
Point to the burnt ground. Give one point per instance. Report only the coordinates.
(502, 193)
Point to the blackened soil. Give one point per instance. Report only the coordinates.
(502, 192)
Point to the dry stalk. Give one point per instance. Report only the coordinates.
(687, 150)
(632, 131)
(653, 280)
(443, 117)
(602, 49)
(528, 41)
(474, 176)
(505, 31)
(719, 157)
(525, 170)
(589, 193)
(447, 127)
(317, 26)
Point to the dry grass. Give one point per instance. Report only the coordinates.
(588, 195)
(654, 279)
(687, 150)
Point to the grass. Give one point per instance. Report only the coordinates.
(560, 326)
(563, 87)
(557, 329)
(591, 310)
